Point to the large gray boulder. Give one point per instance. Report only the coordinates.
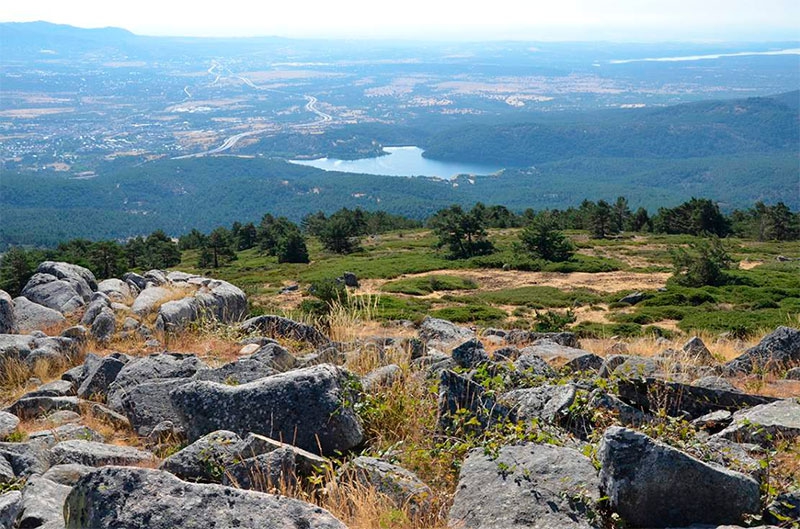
(26, 458)
(526, 486)
(522, 337)
(239, 371)
(99, 377)
(8, 423)
(82, 278)
(402, 486)
(137, 498)
(34, 317)
(116, 289)
(470, 354)
(214, 300)
(206, 459)
(765, 424)
(8, 321)
(266, 472)
(676, 399)
(775, 352)
(54, 293)
(104, 326)
(10, 505)
(148, 404)
(443, 332)
(94, 308)
(311, 408)
(42, 504)
(548, 403)
(562, 356)
(653, 485)
(458, 393)
(280, 327)
(146, 301)
(149, 369)
(33, 407)
(95, 454)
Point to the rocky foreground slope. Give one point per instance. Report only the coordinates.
(576, 440)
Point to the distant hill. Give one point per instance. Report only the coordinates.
(759, 125)
(34, 37)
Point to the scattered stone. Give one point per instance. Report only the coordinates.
(147, 299)
(714, 382)
(99, 377)
(443, 332)
(653, 485)
(108, 416)
(31, 316)
(289, 288)
(67, 432)
(8, 321)
(148, 369)
(277, 326)
(148, 404)
(676, 399)
(697, 351)
(10, 505)
(533, 364)
(350, 280)
(765, 424)
(785, 508)
(793, 374)
(95, 454)
(713, 422)
(569, 357)
(78, 333)
(241, 371)
(104, 326)
(26, 458)
(135, 281)
(115, 289)
(460, 393)
(549, 403)
(42, 504)
(137, 498)
(94, 309)
(525, 486)
(635, 367)
(274, 356)
(34, 407)
(53, 293)
(383, 376)
(617, 348)
(312, 408)
(401, 485)
(306, 463)
(206, 459)
(249, 349)
(776, 351)
(8, 423)
(68, 474)
(520, 337)
(633, 298)
(627, 414)
(265, 472)
(470, 354)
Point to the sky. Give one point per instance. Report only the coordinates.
(615, 20)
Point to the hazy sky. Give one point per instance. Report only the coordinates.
(622, 20)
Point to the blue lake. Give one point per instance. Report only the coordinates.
(400, 161)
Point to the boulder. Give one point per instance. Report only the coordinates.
(533, 364)
(8, 321)
(653, 485)
(274, 356)
(632, 366)
(696, 350)
(135, 281)
(175, 315)
(156, 277)
(237, 372)
(82, 278)
(56, 388)
(775, 352)
(6, 471)
(148, 369)
(793, 374)
(306, 463)
(33, 407)
(93, 309)
(311, 407)
(99, 377)
(443, 332)
(527, 486)
(15, 346)
(652, 394)
(31, 316)
(116, 289)
(273, 471)
(548, 403)
(68, 474)
(470, 354)
(137, 498)
(765, 424)
(457, 392)
(400, 485)
(66, 432)
(633, 298)
(563, 356)
(520, 337)
(785, 509)
(10, 505)
(627, 414)
(53, 293)
(215, 300)
(147, 299)
(26, 458)
(383, 376)
(95, 454)
(8, 423)
(104, 326)
(42, 504)
(148, 404)
(206, 459)
(350, 280)
(279, 327)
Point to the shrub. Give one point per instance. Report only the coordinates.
(703, 263)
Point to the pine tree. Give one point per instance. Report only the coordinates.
(543, 240)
